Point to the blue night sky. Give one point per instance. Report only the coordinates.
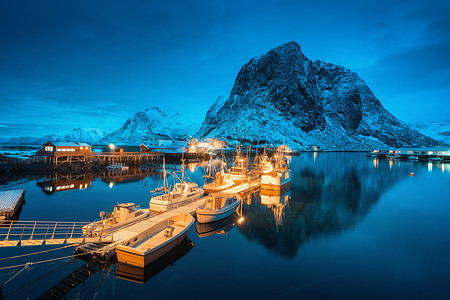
(68, 64)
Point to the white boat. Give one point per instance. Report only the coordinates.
(279, 178)
(263, 165)
(217, 207)
(117, 167)
(182, 193)
(393, 155)
(154, 242)
(123, 214)
(222, 180)
(412, 157)
(239, 170)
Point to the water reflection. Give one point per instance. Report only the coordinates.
(328, 195)
(221, 227)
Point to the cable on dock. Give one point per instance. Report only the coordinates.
(34, 253)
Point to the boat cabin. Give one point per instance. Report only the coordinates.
(123, 211)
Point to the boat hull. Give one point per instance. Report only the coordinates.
(207, 216)
(275, 181)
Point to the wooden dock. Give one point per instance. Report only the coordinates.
(129, 232)
(11, 203)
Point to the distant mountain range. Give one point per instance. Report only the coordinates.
(438, 130)
(135, 130)
(282, 96)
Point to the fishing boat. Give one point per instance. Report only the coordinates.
(263, 164)
(222, 179)
(182, 193)
(154, 242)
(123, 214)
(217, 207)
(239, 170)
(412, 157)
(279, 178)
(435, 158)
(393, 155)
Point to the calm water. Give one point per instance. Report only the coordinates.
(350, 227)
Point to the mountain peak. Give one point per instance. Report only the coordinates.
(282, 95)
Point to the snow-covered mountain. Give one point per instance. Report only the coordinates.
(282, 96)
(87, 135)
(151, 121)
(438, 130)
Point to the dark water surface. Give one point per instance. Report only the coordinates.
(350, 227)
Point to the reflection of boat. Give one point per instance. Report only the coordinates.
(117, 167)
(220, 227)
(183, 192)
(123, 214)
(141, 275)
(217, 207)
(155, 241)
(279, 178)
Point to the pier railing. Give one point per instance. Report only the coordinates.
(33, 233)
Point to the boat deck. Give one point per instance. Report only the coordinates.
(159, 238)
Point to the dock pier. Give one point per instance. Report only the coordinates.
(11, 203)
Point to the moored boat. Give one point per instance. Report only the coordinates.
(123, 214)
(412, 157)
(239, 171)
(222, 180)
(217, 207)
(279, 178)
(182, 193)
(435, 158)
(154, 242)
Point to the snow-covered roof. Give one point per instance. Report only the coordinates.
(163, 137)
(70, 144)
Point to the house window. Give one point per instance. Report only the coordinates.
(49, 148)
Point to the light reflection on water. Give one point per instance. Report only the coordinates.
(349, 227)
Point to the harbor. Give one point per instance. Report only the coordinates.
(318, 182)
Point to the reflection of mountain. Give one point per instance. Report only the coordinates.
(330, 194)
(133, 175)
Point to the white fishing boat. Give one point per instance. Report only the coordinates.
(154, 242)
(217, 207)
(123, 214)
(279, 178)
(412, 157)
(239, 170)
(393, 155)
(263, 164)
(222, 179)
(182, 193)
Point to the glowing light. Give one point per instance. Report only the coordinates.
(430, 167)
(85, 185)
(111, 146)
(81, 186)
(111, 185)
(375, 163)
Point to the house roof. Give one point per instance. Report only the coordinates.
(163, 137)
(70, 144)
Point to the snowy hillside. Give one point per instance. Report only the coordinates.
(87, 135)
(151, 121)
(282, 96)
(439, 130)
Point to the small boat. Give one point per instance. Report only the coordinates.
(217, 207)
(123, 214)
(435, 158)
(279, 178)
(393, 155)
(182, 193)
(117, 167)
(154, 242)
(141, 275)
(412, 157)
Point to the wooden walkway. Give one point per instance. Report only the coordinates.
(129, 232)
(11, 202)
